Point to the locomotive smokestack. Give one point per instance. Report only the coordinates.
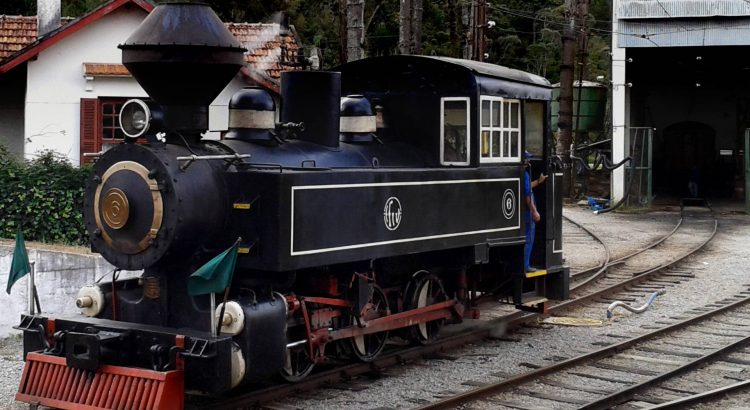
(183, 56)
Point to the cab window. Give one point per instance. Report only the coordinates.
(500, 134)
(533, 114)
(454, 131)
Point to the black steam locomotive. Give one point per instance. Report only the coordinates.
(387, 211)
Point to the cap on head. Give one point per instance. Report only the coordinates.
(527, 155)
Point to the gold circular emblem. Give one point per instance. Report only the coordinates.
(105, 214)
(115, 208)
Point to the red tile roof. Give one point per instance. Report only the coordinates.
(20, 33)
(264, 46)
(105, 70)
(263, 41)
(15, 33)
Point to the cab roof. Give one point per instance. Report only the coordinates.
(447, 74)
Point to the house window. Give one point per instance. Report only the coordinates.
(110, 111)
(454, 131)
(500, 129)
(100, 125)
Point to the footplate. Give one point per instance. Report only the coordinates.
(48, 381)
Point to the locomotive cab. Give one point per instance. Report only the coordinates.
(479, 117)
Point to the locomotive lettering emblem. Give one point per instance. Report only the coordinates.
(509, 203)
(392, 213)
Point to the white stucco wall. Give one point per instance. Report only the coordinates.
(60, 273)
(55, 82)
(55, 85)
(11, 129)
(13, 89)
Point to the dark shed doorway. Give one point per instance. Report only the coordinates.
(686, 151)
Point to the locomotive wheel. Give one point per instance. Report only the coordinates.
(367, 347)
(298, 364)
(425, 289)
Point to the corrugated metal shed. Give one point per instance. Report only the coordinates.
(650, 9)
(684, 33)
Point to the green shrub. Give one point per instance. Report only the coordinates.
(45, 196)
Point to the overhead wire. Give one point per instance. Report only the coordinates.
(563, 23)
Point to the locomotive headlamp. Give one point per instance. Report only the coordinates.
(137, 118)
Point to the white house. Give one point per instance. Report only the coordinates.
(63, 88)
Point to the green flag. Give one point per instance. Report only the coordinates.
(20, 265)
(216, 274)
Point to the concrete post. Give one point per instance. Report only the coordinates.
(620, 120)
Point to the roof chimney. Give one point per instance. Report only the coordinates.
(47, 16)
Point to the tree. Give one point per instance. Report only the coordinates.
(404, 27)
(355, 29)
(415, 33)
(18, 7)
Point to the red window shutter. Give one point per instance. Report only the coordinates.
(91, 139)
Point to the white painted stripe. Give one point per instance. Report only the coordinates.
(422, 238)
(357, 124)
(416, 239)
(251, 119)
(461, 181)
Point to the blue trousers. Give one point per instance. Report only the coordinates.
(530, 228)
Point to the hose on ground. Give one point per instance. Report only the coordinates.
(641, 309)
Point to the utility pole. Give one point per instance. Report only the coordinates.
(404, 27)
(355, 15)
(416, 27)
(479, 23)
(565, 115)
(467, 18)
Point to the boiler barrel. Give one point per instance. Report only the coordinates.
(313, 98)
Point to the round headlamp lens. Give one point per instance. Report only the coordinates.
(139, 120)
(135, 117)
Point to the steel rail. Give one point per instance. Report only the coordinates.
(607, 263)
(387, 359)
(701, 397)
(492, 389)
(488, 390)
(628, 393)
(597, 270)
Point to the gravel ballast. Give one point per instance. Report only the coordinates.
(719, 273)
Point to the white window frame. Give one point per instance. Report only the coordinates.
(500, 129)
(442, 130)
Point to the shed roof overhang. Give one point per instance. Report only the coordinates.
(661, 9)
(684, 32)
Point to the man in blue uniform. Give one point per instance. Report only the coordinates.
(531, 216)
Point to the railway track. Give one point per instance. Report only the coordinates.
(475, 331)
(625, 370)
